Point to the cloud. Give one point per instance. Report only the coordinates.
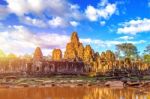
(109, 43)
(103, 3)
(135, 26)
(57, 22)
(104, 11)
(126, 38)
(74, 23)
(20, 40)
(21, 7)
(34, 22)
(60, 11)
(102, 23)
(91, 13)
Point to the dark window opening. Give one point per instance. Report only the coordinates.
(37, 69)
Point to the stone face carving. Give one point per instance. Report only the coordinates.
(74, 49)
(88, 54)
(80, 51)
(56, 55)
(70, 52)
(38, 54)
(105, 61)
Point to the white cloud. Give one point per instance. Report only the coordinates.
(100, 43)
(135, 26)
(108, 43)
(57, 22)
(91, 13)
(103, 3)
(74, 23)
(62, 12)
(20, 40)
(52, 7)
(102, 23)
(59, 10)
(54, 22)
(21, 7)
(126, 38)
(75, 6)
(105, 11)
(34, 22)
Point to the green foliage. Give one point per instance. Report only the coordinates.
(146, 53)
(147, 58)
(128, 49)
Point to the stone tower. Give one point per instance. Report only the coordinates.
(38, 54)
(56, 55)
(88, 54)
(74, 49)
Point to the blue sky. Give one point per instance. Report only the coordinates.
(25, 24)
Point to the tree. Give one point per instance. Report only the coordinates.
(127, 49)
(147, 54)
(147, 49)
(147, 58)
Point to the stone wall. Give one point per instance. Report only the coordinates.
(58, 67)
(15, 65)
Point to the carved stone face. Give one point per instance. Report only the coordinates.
(57, 54)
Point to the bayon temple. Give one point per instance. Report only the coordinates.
(76, 60)
(82, 60)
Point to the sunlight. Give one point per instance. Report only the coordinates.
(2, 54)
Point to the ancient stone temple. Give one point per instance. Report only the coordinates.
(55, 66)
(38, 54)
(60, 67)
(79, 60)
(88, 54)
(105, 61)
(74, 49)
(37, 60)
(110, 59)
(56, 55)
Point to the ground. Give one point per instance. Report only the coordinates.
(11, 81)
